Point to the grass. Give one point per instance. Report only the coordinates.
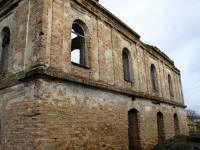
(180, 142)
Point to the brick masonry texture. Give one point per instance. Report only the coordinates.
(48, 103)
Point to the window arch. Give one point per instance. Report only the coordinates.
(133, 130)
(160, 125)
(5, 41)
(176, 124)
(79, 43)
(154, 77)
(170, 85)
(127, 65)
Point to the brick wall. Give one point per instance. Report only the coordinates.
(105, 52)
(17, 113)
(49, 103)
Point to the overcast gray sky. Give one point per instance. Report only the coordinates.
(174, 27)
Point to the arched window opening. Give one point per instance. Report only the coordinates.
(79, 48)
(176, 124)
(5, 41)
(160, 125)
(133, 130)
(170, 85)
(127, 65)
(154, 77)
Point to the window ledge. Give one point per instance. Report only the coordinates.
(79, 65)
(156, 90)
(131, 82)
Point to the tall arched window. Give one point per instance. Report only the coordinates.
(133, 130)
(160, 125)
(170, 85)
(127, 65)
(5, 41)
(154, 77)
(176, 124)
(79, 43)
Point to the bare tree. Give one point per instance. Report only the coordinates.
(192, 115)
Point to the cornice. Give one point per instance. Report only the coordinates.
(6, 6)
(163, 57)
(99, 11)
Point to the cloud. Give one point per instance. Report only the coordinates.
(174, 27)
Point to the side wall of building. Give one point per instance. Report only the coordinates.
(106, 44)
(18, 110)
(56, 115)
(41, 36)
(25, 23)
(45, 114)
(16, 21)
(74, 116)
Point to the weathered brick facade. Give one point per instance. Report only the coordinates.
(49, 103)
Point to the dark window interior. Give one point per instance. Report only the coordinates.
(176, 124)
(127, 65)
(160, 125)
(154, 77)
(5, 37)
(133, 130)
(170, 85)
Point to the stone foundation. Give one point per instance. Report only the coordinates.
(57, 115)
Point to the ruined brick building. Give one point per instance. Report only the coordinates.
(119, 94)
